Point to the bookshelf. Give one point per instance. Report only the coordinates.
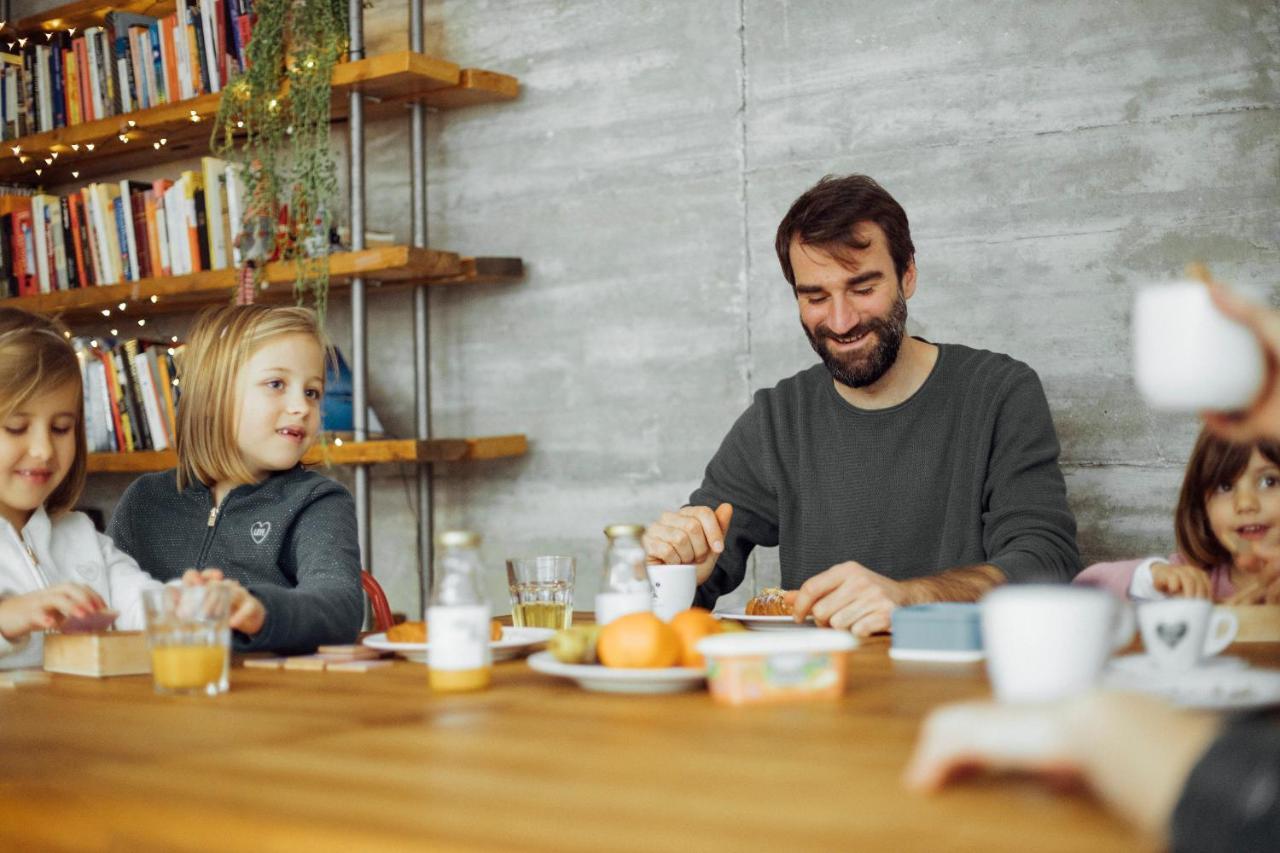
(394, 80)
(391, 266)
(406, 82)
(407, 450)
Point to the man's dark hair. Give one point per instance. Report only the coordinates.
(826, 214)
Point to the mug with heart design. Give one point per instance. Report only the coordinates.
(1179, 633)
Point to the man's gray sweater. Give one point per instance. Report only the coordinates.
(290, 540)
(963, 472)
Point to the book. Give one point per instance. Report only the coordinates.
(123, 232)
(72, 72)
(175, 207)
(68, 244)
(82, 77)
(75, 210)
(8, 284)
(153, 432)
(234, 184)
(24, 260)
(40, 233)
(58, 80)
(209, 29)
(214, 177)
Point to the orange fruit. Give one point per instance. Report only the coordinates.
(638, 641)
(691, 626)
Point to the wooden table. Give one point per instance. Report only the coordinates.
(342, 761)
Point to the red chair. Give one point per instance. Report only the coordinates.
(377, 601)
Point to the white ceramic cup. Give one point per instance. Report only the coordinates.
(1189, 356)
(1181, 632)
(1049, 642)
(673, 588)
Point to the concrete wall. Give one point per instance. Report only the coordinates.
(1051, 155)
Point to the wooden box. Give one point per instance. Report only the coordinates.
(1259, 623)
(99, 655)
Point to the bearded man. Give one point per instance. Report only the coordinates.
(898, 471)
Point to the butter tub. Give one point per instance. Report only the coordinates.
(770, 667)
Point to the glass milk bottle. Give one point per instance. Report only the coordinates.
(625, 586)
(458, 655)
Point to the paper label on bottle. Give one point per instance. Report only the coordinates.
(459, 637)
(611, 605)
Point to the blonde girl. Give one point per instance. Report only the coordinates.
(55, 568)
(251, 380)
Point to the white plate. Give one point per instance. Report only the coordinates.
(606, 679)
(767, 623)
(1211, 688)
(513, 642)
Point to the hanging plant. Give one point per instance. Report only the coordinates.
(273, 122)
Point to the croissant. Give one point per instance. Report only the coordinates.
(771, 602)
(416, 632)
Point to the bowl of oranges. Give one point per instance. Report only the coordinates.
(636, 653)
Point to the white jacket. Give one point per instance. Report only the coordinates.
(66, 549)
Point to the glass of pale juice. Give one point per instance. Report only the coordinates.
(189, 638)
(541, 591)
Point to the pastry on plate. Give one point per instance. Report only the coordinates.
(416, 632)
(772, 602)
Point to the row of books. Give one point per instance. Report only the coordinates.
(107, 233)
(131, 392)
(134, 62)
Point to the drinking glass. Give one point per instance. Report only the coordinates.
(541, 591)
(189, 638)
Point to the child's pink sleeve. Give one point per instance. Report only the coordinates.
(1113, 577)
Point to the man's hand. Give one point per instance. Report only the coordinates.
(46, 609)
(1180, 580)
(853, 597)
(693, 535)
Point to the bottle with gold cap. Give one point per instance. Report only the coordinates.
(625, 586)
(458, 655)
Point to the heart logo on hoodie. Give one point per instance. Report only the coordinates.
(260, 531)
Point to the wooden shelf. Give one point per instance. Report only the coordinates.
(89, 13)
(391, 81)
(388, 267)
(348, 453)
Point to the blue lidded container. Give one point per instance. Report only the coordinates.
(946, 631)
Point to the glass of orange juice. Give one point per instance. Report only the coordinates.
(189, 638)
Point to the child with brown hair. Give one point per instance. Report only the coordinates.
(252, 378)
(55, 568)
(1227, 527)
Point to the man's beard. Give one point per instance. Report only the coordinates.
(859, 369)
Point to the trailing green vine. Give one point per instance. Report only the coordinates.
(273, 122)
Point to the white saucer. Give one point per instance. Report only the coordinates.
(1216, 689)
(1144, 665)
(604, 679)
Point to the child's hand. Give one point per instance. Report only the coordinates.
(1260, 589)
(247, 613)
(46, 608)
(1180, 580)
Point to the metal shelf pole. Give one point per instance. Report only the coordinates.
(421, 317)
(359, 317)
